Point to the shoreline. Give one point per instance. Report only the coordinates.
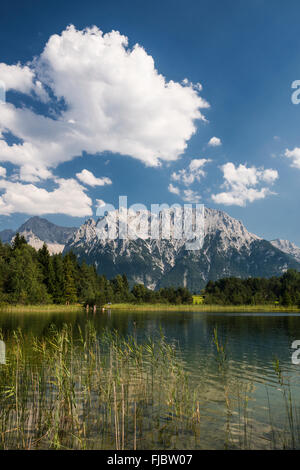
(54, 308)
(48, 308)
(204, 308)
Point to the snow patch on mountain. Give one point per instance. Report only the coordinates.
(287, 247)
(229, 250)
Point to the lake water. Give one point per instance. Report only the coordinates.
(245, 392)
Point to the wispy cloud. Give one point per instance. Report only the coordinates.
(87, 177)
(173, 189)
(194, 172)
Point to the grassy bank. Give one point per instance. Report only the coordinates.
(203, 308)
(50, 308)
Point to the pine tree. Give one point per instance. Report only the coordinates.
(70, 291)
(59, 279)
(18, 241)
(47, 268)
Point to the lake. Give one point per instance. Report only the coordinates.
(234, 398)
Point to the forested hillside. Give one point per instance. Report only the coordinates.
(28, 276)
(284, 290)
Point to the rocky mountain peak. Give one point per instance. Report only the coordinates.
(229, 250)
(287, 247)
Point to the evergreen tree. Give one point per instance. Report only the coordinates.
(46, 263)
(59, 279)
(18, 241)
(69, 290)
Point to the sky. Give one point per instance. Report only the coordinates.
(163, 101)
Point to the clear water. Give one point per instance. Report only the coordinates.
(253, 341)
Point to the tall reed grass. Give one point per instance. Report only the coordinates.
(80, 391)
(47, 308)
(76, 389)
(206, 308)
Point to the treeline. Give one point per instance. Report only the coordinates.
(29, 277)
(283, 290)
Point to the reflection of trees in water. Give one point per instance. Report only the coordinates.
(257, 334)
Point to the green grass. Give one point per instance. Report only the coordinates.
(52, 308)
(40, 308)
(203, 308)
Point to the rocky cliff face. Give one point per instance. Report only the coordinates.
(38, 231)
(228, 250)
(287, 247)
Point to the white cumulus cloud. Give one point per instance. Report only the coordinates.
(68, 198)
(114, 99)
(2, 172)
(214, 142)
(87, 177)
(244, 184)
(294, 155)
(23, 79)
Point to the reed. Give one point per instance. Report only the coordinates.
(76, 389)
(40, 308)
(238, 422)
(205, 308)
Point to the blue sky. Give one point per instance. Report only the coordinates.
(137, 136)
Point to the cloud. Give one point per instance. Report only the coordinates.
(191, 196)
(241, 184)
(197, 86)
(173, 189)
(113, 98)
(214, 142)
(100, 203)
(294, 155)
(22, 78)
(87, 177)
(2, 172)
(194, 172)
(68, 198)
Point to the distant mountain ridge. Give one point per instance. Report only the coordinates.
(287, 247)
(38, 231)
(47, 231)
(6, 235)
(229, 250)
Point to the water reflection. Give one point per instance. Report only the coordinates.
(253, 342)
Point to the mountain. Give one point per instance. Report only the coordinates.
(37, 231)
(287, 247)
(6, 235)
(228, 250)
